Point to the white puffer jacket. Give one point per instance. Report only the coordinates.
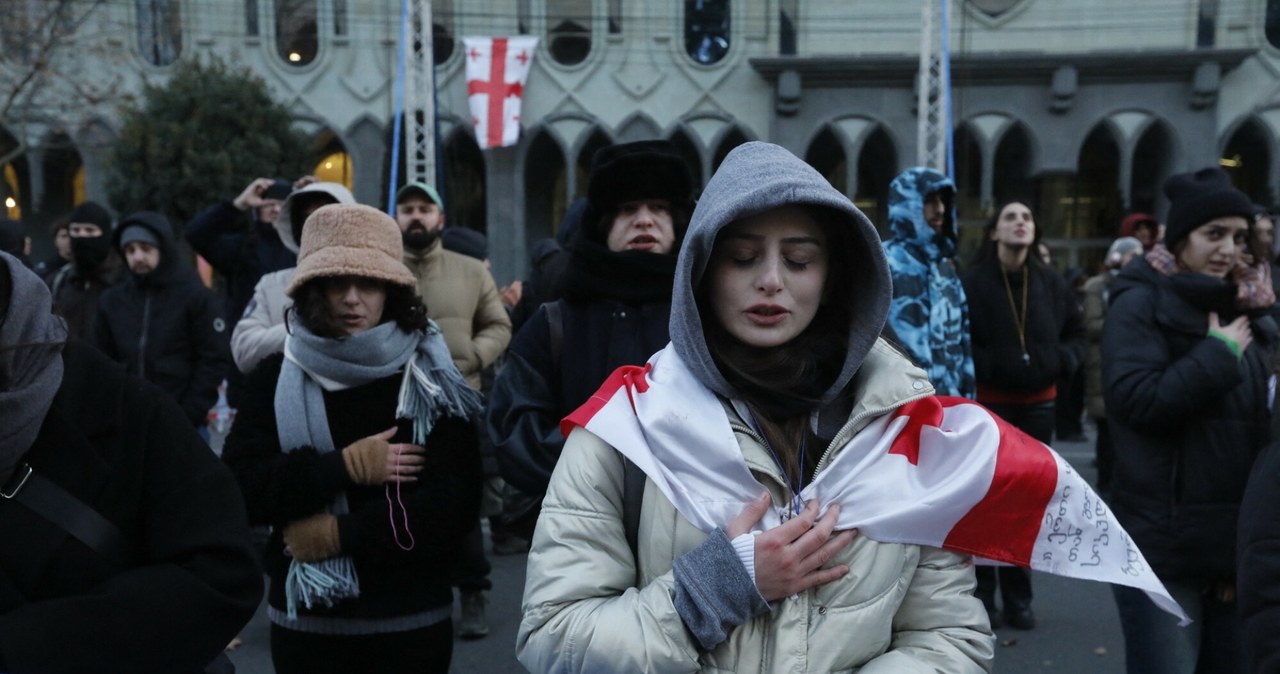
(900, 609)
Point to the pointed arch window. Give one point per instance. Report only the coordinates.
(1272, 23)
(297, 31)
(442, 42)
(159, 31)
(706, 30)
(569, 30)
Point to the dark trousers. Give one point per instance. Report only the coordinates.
(427, 650)
(471, 569)
(1036, 420)
(1105, 455)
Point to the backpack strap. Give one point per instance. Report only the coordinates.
(50, 501)
(59, 279)
(633, 478)
(632, 498)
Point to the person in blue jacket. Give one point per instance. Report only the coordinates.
(929, 312)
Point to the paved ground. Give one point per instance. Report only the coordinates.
(1079, 630)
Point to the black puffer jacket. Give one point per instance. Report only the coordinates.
(279, 488)
(165, 326)
(1186, 416)
(1055, 334)
(615, 309)
(1259, 579)
(122, 447)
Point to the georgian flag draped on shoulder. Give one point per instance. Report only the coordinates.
(497, 68)
(938, 471)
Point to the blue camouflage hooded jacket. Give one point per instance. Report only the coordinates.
(929, 311)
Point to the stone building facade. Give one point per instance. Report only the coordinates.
(1081, 107)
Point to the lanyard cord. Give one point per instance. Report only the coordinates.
(1019, 320)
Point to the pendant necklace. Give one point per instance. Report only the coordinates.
(1019, 319)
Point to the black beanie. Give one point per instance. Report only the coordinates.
(93, 214)
(465, 241)
(648, 169)
(1197, 198)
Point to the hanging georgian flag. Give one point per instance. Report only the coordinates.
(937, 471)
(497, 68)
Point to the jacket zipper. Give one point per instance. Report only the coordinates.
(840, 438)
(142, 341)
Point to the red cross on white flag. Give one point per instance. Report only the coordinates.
(497, 68)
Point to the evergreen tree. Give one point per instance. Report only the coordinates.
(199, 138)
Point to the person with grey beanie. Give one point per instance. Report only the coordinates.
(123, 541)
(1185, 379)
(161, 322)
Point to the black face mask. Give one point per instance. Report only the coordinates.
(419, 239)
(89, 252)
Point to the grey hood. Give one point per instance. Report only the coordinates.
(284, 221)
(756, 177)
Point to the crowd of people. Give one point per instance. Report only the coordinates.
(389, 396)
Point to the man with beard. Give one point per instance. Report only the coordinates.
(462, 298)
(161, 322)
(124, 545)
(93, 269)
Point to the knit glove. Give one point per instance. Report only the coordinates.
(313, 539)
(366, 460)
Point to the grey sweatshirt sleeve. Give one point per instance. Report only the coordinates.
(714, 592)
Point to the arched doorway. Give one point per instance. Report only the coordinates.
(334, 163)
(544, 187)
(1247, 157)
(877, 166)
(62, 169)
(688, 151)
(1011, 169)
(731, 139)
(598, 140)
(464, 182)
(826, 156)
(968, 177)
(1152, 164)
(14, 184)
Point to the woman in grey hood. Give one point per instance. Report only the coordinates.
(775, 369)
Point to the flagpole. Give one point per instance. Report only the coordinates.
(398, 109)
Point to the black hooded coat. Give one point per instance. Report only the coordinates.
(166, 326)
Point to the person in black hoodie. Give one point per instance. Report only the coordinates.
(1027, 334)
(614, 312)
(242, 254)
(356, 446)
(161, 322)
(180, 577)
(1184, 378)
(93, 269)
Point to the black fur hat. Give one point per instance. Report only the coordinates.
(648, 169)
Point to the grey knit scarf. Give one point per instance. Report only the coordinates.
(432, 387)
(31, 340)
